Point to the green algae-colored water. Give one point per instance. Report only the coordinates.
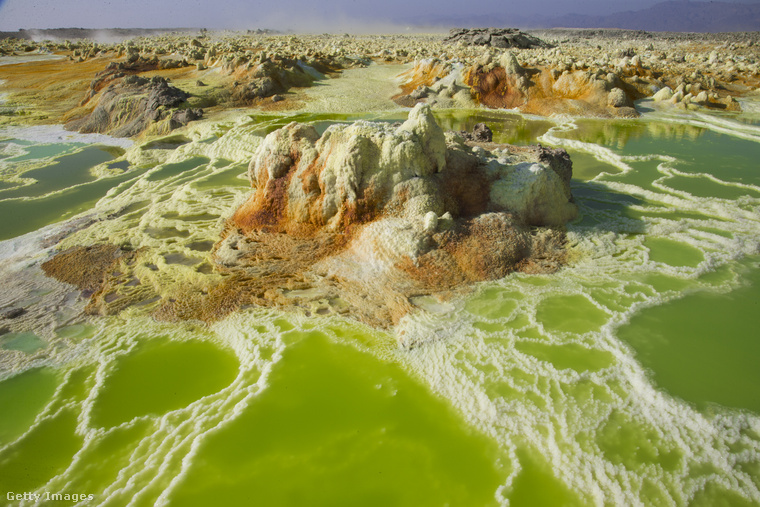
(628, 378)
(346, 429)
(710, 346)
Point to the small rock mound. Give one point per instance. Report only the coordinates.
(361, 221)
(480, 134)
(495, 37)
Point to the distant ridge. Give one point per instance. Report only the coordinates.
(673, 16)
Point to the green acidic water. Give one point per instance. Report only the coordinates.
(21, 398)
(161, 376)
(627, 378)
(65, 172)
(25, 342)
(346, 429)
(20, 466)
(316, 407)
(704, 346)
(29, 215)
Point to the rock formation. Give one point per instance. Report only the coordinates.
(495, 37)
(367, 216)
(127, 109)
(480, 134)
(602, 79)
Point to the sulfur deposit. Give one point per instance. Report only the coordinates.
(367, 216)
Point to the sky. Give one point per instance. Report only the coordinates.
(299, 15)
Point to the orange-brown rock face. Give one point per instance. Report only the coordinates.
(368, 215)
(498, 81)
(507, 85)
(497, 89)
(423, 74)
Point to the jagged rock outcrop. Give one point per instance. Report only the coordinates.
(129, 107)
(495, 37)
(267, 75)
(366, 216)
(480, 134)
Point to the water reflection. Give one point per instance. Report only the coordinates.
(617, 134)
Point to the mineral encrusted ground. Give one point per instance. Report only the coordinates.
(578, 72)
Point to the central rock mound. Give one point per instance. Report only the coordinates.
(367, 216)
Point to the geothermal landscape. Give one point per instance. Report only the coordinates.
(595, 73)
(483, 267)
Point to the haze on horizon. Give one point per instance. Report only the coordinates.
(297, 15)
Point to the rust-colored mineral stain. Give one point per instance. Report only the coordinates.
(424, 74)
(364, 210)
(266, 209)
(103, 272)
(495, 88)
(436, 270)
(83, 266)
(228, 296)
(310, 177)
(270, 263)
(52, 87)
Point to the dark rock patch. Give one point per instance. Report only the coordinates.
(495, 37)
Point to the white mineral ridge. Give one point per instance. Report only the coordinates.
(386, 242)
(238, 143)
(535, 192)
